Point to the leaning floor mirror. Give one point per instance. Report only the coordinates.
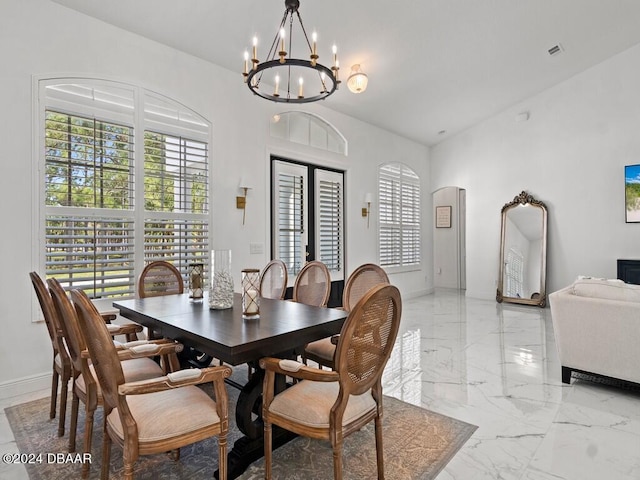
(523, 252)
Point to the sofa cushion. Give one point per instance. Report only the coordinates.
(609, 289)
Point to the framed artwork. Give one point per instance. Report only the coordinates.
(632, 193)
(443, 217)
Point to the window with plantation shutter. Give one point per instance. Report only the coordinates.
(399, 215)
(88, 202)
(114, 200)
(175, 196)
(290, 218)
(329, 221)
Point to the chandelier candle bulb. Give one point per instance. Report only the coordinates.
(255, 50)
(283, 52)
(275, 92)
(314, 49)
(300, 90)
(245, 72)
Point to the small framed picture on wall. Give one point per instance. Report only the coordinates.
(443, 217)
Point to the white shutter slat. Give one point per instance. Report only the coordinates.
(399, 214)
(329, 219)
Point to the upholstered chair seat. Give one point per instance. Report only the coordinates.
(309, 403)
(321, 351)
(170, 406)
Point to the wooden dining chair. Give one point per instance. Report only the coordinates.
(159, 278)
(61, 359)
(343, 400)
(313, 284)
(273, 280)
(85, 388)
(359, 282)
(155, 415)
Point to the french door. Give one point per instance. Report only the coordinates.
(308, 218)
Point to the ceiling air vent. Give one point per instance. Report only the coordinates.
(556, 50)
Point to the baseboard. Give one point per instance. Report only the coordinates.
(25, 385)
(481, 295)
(418, 293)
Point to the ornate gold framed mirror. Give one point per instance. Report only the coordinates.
(523, 252)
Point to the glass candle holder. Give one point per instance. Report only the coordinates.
(196, 279)
(221, 290)
(250, 293)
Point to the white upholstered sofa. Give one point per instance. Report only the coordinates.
(597, 328)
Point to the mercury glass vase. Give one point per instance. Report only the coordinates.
(221, 290)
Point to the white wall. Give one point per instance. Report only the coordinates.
(38, 38)
(446, 241)
(571, 155)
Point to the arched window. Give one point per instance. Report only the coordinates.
(399, 214)
(308, 129)
(126, 182)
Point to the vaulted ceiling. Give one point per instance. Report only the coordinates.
(435, 67)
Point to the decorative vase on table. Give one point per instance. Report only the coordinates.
(221, 290)
(196, 277)
(250, 293)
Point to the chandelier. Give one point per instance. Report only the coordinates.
(294, 80)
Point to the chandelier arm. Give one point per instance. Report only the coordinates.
(304, 32)
(290, 55)
(272, 51)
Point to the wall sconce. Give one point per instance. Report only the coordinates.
(366, 210)
(241, 202)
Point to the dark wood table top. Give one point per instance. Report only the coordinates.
(224, 334)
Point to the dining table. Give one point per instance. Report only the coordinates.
(282, 330)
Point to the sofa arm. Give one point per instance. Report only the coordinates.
(597, 335)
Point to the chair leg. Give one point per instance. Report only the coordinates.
(175, 454)
(379, 449)
(267, 450)
(73, 428)
(129, 459)
(54, 392)
(128, 471)
(222, 457)
(337, 461)
(88, 434)
(63, 405)
(106, 451)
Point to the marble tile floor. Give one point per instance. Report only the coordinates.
(494, 366)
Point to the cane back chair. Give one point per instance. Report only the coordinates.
(359, 282)
(85, 388)
(155, 415)
(346, 399)
(273, 280)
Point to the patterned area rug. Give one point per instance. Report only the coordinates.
(418, 444)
